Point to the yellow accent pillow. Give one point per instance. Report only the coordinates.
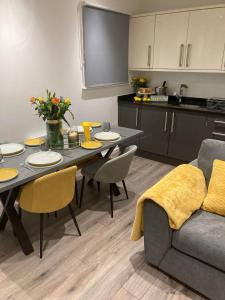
(215, 200)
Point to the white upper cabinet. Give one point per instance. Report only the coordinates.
(141, 42)
(170, 40)
(206, 39)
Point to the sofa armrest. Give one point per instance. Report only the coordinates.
(194, 163)
(157, 233)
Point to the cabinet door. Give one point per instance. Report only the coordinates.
(170, 40)
(128, 115)
(187, 132)
(206, 39)
(154, 122)
(141, 41)
(216, 127)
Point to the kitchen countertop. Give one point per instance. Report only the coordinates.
(186, 100)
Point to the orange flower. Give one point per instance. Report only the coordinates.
(55, 100)
(32, 100)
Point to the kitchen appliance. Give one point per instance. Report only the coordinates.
(216, 103)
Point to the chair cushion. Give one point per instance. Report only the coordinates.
(91, 168)
(203, 237)
(215, 200)
(209, 151)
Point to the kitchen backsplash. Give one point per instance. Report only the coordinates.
(199, 84)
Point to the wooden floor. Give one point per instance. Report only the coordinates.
(102, 264)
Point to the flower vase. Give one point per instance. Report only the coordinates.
(54, 133)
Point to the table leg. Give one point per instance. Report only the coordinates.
(10, 211)
(3, 218)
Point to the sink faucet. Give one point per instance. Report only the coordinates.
(182, 87)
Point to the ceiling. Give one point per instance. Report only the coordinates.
(158, 5)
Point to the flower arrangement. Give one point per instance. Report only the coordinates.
(51, 107)
(138, 82)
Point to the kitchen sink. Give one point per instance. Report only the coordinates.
(189, 106)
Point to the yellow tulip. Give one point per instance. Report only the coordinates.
(41, 99)
(142, 80)
(67, 101)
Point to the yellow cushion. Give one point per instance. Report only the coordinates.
(49, 193)
(215, 199)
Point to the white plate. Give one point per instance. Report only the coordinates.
(11, 149)
(44, 158)
(107, 136)
(43, 167)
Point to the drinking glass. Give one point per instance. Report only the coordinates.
(1, 156)
(106, 126)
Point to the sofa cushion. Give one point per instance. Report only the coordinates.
(203, 237)
(215, 200)
(209, 151)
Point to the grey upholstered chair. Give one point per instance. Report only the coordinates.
(109, 171)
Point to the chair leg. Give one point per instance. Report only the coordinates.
(76, 193)
(125, 188)
(20, 213)
(56, 215)
(82, 191)
(98, 185)
(74, 219)
(111, 199)
(41, 233)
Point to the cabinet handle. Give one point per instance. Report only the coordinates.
(172, 125)
(219, 122)
(137, 113)
(181, 55)
(219, 134)
(165, 123)
(149, 55)
(188, 55)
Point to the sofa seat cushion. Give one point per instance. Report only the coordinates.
(203, 237)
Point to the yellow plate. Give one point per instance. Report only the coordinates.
(7, 174)
(91, 145)
(96, 124)
(34, 142)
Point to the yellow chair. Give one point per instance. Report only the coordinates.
(49, 194)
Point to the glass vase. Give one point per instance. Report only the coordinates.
(54, 133)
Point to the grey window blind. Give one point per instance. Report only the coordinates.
(105, 42)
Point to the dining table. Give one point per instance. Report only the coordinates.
(9, 190)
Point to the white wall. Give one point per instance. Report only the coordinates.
(199, 84)
(39, 49)
(158, 5)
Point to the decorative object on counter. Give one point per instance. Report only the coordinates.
(87, 131)
(161, 90)
(159, 99)
(52, 110)
(7, 174)
(73, 138)
(138, 82)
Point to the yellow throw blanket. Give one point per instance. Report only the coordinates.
(179, 193)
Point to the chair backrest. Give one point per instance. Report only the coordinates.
(116, 169)
(49, 193)
(209, 151)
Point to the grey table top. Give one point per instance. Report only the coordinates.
(69, 157)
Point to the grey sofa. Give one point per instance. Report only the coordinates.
(195, 254)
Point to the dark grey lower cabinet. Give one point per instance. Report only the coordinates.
(170, 133)
(187, 132)
(154, 123)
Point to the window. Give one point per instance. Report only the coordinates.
(105, 47)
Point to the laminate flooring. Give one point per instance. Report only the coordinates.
(102, 264)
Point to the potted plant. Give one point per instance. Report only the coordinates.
(52, 110)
